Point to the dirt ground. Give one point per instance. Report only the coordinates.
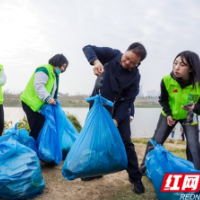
(110, 187)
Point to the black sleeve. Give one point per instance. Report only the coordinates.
(103, 54)
(132, 110)
(163, 99)
(197, 108)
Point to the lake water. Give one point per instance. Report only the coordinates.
(143, 125)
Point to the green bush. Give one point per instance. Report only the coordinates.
(7, 124)
(75, 122)
(24, 124)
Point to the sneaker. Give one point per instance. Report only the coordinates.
(138, 187)
(90, 178)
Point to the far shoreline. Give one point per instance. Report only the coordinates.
(83, 106)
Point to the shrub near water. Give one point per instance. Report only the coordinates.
(75, 122)
(7, 124)
(24, 124)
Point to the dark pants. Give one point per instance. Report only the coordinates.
(125, 132)
(183, 136)
(35, 120)
(162, 132)
(1, 119)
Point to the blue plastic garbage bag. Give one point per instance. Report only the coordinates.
(70, 134)
(49, 141)
(158, 162)
(20, 172)
(21, 135)
(99, 148)
(65, 128)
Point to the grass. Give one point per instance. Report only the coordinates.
(140, 141)
(127, 194)
(177, 148)
(111, 187)
(170, 145)
(181, 142)
(177, 151)
(145, 141)
(57, 184)
(106, 189)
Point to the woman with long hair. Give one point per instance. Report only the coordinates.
(179, 88)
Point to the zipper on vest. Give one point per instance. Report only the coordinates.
(180, 101)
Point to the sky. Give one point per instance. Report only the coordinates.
(32, 31)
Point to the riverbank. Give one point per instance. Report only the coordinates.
(13, 100)
(73, 105)
(111, 187)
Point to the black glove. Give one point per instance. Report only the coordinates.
(99, 83)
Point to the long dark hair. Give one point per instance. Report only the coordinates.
(193, 61)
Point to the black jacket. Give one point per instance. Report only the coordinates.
(115, 77)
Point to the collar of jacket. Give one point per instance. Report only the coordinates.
(181, 82)
(119, 57)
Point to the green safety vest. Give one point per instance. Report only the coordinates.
(179, 97)
(1, 93)
(29, 95)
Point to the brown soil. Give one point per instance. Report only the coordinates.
(107, 188)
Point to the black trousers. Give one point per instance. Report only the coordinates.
(125, 132)
(162, 132)
(1, 119)
(35, 120)
(183, 136)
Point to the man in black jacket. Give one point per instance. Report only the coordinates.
(121, 85)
